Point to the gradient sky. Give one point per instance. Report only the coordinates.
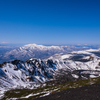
(50, 21)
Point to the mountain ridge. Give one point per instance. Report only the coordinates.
(33, 72)
(36, 51)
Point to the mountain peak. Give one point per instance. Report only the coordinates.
(33, 46)
(36, 51)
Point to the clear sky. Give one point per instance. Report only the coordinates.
(50, 21)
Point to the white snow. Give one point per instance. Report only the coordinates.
(65, 56)
(28, 96)
(92, 76)
(93, 50)
(75, 76)
(81, 52)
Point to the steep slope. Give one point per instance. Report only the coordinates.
(20, 74)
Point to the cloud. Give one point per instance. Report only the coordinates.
(4, 42)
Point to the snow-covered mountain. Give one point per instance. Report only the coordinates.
(33, 72)
(36, 51)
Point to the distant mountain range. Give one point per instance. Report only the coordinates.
(34, 51)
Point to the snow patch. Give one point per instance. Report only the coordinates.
(75, 76)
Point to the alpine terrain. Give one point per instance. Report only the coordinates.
(59, 68)
(35, 51)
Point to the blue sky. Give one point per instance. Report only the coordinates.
(50, 21)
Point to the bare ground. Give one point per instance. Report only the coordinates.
(89, 92)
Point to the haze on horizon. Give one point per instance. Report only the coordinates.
(50, 21)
